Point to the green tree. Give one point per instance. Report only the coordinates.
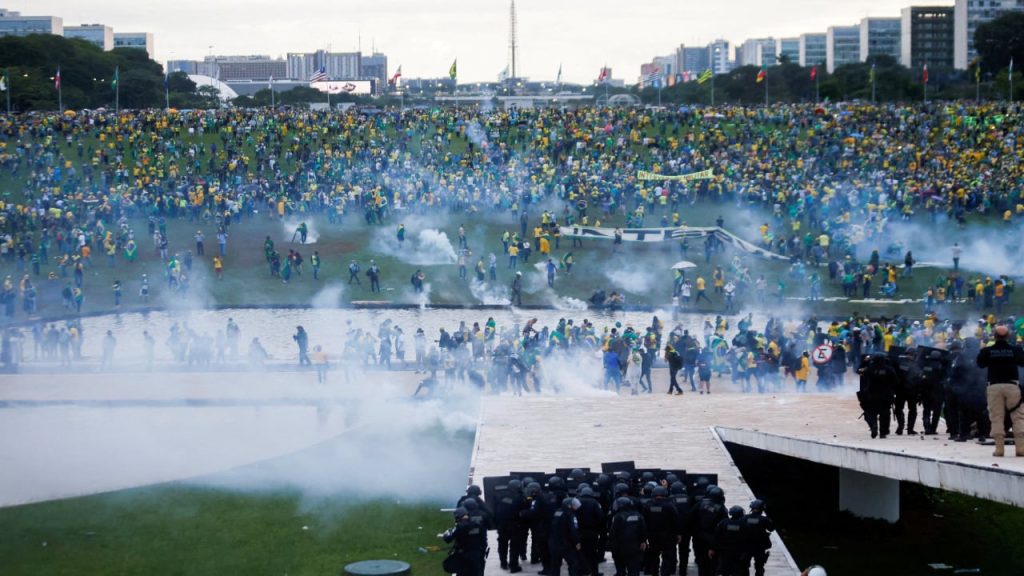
(999, 40)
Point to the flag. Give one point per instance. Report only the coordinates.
(453, 72)
(1011, 66)
(320, 75)
(503, 75)
(977, 71)
(558, 78)
(56, 79)
(167, 80)
(762, 73)
(270, 83)
(814, 72)
(871, 74)
(116, 79)
(396, 76)
(3, 82)
(705, 76)
(924, 74)
(603, 75)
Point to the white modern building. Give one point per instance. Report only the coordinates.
(718, 56)
(140, 40)
(756, 52)
(880, 37)
(338, 65)
(14, 24)
(813, 49)
(98, 34)
(842, 46)
(967, 15)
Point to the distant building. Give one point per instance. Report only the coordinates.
(813, 49)
(375, 67)
(695, 60)
(788, 48)
(338, 65)
(98, 34)
(928, 34)
(879, 37)
(140, 40)
(842, 46)
(241, 68)
(14, 24)
(190, 67)
(755, 52)
(968, 14)
(718, 55)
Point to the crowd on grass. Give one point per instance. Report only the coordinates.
(78, 188)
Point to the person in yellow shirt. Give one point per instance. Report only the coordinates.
(803, 372)
(701, 290)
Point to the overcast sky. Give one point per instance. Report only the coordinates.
(424, 36)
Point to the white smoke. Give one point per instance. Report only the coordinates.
(290, 226)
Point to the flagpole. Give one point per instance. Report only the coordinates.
(60, 92)
(7, 79)
(1010, 75)
(273, 100)
(766, 90)
(817, 90)
(117, 90)
(977, 82)
(167, 93)
(712, 88)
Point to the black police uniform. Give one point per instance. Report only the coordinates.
(663, 529)
(469, 540)
(563, 541)
(627, 535)
(592, 522)
(728, 548)
(878, 381)
(934, 372)
(756, 541)
(511, 528)
(707, 516)
(684, 504)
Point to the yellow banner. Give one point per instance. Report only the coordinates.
(702, 175)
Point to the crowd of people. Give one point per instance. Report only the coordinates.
(80, 185)
(647, 520)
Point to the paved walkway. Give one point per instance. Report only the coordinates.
(542, 433)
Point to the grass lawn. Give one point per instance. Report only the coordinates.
(175, 529)
(641, 271)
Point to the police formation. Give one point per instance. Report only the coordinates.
(976, 389)
(647, 521)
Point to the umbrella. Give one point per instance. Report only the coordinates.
(683, 265)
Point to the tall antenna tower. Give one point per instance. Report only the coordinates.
(513, 40)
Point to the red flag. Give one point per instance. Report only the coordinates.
(762, 73)
(56, 79)
(924, 74)
(814, 72)
(604, 74)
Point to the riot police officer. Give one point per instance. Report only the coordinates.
(663, 532)
(592, 521)
(468, 539)
(537, 517)
(878, 381)
(934, 372)
(627, 538)
(727, 546)
(710, 512)
(757, 529)
(906, 389)
(564, 539)
(511, 529)
(684, 510)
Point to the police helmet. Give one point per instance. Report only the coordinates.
(585, 491)
(528, 480)
(473, 490)
(677, 487)
(603, 480)
(532, 489)
(715, 493)
(621, 489)
(577, 474)
(623, 503)
(556, 483)
(647, 477)
(757, 504)
(648, 487)
(460, 513)
(470, 505)
(515, 485)
(671, 479)
(660, 492)
(735, 512)
(816, 571)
